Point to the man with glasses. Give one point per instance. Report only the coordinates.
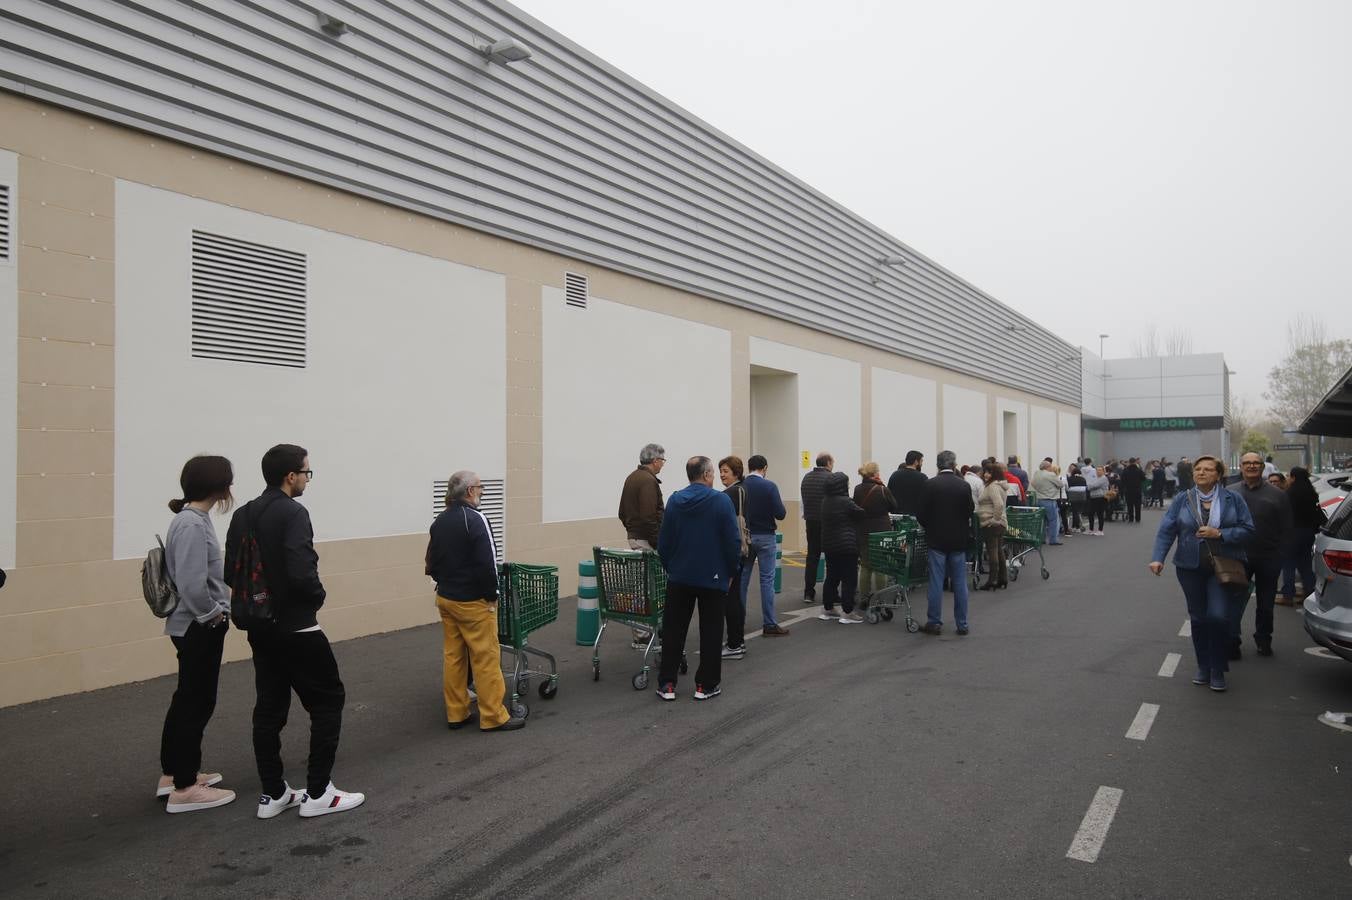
(1271, 511)
(290, 653)
(641, 509)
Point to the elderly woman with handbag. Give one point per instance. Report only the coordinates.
(990, 512)
(1211, 526)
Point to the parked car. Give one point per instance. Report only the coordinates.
(1331, 487)
(1328, 608)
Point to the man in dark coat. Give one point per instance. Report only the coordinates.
(908, 483)
(1133, 480)
(810, 492)
(946, 509)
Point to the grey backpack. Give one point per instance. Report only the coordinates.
(158, 588)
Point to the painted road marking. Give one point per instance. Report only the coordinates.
(1186, 630)
(1145, 717)
(1093, 831)
(788, 618)
(1322, 653)
(1171, 661)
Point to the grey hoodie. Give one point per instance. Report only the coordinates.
(192, 556)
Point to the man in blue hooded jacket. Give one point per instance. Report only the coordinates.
(700, 545)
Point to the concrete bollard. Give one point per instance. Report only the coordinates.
(779, 562)
(588, 615)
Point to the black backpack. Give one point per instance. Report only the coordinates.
(251, 606)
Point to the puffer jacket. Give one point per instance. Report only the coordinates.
(1097, 484)
(876, 500)
(990, 509)
(840, 515)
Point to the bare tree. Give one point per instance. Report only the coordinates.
(1178, 343)
(1146, 344)
(1312, 362)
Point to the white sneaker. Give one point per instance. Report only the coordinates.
(331, 801)
(829, 615)
(197, 796)
(850, 619)
(166, 785)
(268, 807)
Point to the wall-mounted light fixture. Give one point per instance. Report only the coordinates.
(1016, 327)
(895, 261)
(331, 26)
(505, 51)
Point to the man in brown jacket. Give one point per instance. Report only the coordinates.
(641, 509)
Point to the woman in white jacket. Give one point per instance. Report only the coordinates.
(1097, 484)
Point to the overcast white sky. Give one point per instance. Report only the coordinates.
(1099, 167)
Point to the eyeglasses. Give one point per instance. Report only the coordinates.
(1251, 463)
(308, 473)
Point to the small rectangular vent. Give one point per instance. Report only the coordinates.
(575, 289)
(4, 223)
(248, 301)
(493, 504)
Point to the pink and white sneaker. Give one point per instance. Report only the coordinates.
(166, 785)
(269, 806)
(331, 801)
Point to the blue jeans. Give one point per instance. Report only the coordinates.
(1298, 558)
(952, 566)
(763, 547)
(1053, 517)
(1209, 609)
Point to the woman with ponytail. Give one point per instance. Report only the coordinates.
(197, 626)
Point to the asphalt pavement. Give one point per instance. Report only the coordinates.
(842, 761)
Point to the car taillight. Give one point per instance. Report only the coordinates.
(1339, 561)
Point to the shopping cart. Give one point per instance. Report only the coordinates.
(1024, 534)
(920, 550)
(631, 587)
(890, 554)
(528, 600)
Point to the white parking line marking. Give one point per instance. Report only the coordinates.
(1145, 717)
(1093, 831)
(1186, 630)
(1171, 661)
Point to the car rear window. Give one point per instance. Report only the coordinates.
(1340, 522)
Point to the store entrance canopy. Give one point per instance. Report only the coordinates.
(1332, 416)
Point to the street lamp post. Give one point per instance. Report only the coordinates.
(1101, 337)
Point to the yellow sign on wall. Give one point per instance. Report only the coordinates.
(807, 460)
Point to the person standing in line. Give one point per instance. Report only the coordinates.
(908, 483)
(1307, 517)
(1096, 485)
(462, 559)
(763, 508)
(872, 496)
(1133, 480)
(1270, 510)
(840, 542)
(811, 491)
(1047, 489)
(730, 473)
(1170, 478)
(1278, 480)
(1020, 473)
(992, 516)
(1077, 493)
(1268, 466)
(1184, 472)
(1158, 484)
(1205, 521)
(197, 627)
(291, 653)
(641, 511)
(1015, 495)
(700, 547)
(972, 475)
(946, 509)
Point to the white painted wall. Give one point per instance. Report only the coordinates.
(405, 381)
(1069, 439)
(1019, 410)
(615, 378)
(9, 369)
(965, 431)
(1043, 441)
(829, 407)
(905, 418)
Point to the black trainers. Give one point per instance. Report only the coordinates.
(667, 691)
(511, 724)
(932, 629)
(702, 694)
(1265, 649)
(456, 726)
(962, 630)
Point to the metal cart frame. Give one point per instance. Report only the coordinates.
(528, 601)
(631, 587)
(1027, 529)
(890, 554)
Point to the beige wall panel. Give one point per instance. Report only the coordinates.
(530, 483)
(37, 679)
(337, 557)
(360, 588)
(65, 452)
(35, 588)
(71, 629)
(65, 362)
(524, 509)
(66, 187)
(64, 541)
(65, 406)
(57, 228)
(65, 319)
(65, 496)
(525, 401)
(525, 429)
(68, 274)
(386, 615)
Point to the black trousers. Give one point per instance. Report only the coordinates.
(1264, 574)
(302, 662)
(1133, 502)
(1097, 506)
(734, 611)
(682, 599)
(814, 554)
(842, 580)
(199, 671)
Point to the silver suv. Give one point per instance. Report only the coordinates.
(1328, 610)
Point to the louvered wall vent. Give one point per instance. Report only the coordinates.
(493, 504)
(575, 289)
(5, 229)
(248, 301)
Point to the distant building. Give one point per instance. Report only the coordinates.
(1156, 406)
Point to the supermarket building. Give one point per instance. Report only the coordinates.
(386, 239)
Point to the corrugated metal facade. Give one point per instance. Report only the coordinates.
(561, 151)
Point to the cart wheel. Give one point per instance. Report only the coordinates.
(912, 625)
(520, 710)
(685, 666)
(1013, 573)
(886, 614)
(549, 689)
(1045, 573)
(596, 671)
(871, 616)
(640, 681)
(522, 687)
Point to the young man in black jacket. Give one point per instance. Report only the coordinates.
(811, 492)
(291, 652)
(908, 483)
(946, 513)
